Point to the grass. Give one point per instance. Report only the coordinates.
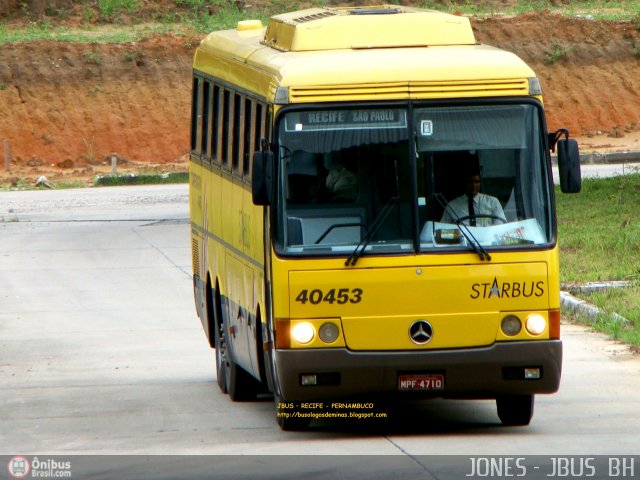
(22, 184)
(623, 301)
(108, 8)
(117, 20)
(141, 179)
(93, 34)
(590, 9)
(599, 231)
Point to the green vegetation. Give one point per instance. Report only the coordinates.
(599, 231)
(141, 179)
(20, 184)
(95, 90)
(133, 57)
(556, 52)
(624, 302)
(108, 8)
(593, 9)
(119, 21)
(92, 58)
(96, 34)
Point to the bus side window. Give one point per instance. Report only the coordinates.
(237, 144)
(216, 124)
(194, 114)
(206, 108)
(249, 134)
(226, 127)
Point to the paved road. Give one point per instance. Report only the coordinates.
(101, 352)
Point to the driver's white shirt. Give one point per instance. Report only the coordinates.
(482, 205)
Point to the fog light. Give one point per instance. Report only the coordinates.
(511, 325)
(303, 332)
(308, 380)
(532, 373)
(328, 332)
(536, 324)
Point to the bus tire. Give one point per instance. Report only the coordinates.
(515, 410)
(220, 349)
(286, 417)
(241, 386)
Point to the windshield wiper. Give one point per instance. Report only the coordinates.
(471, 239)
(373, 229)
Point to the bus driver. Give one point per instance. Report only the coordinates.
(474, 208)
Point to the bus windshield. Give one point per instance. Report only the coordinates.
(408, 180)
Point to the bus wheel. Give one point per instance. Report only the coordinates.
(515, 410)
(221, 355)
(241, 386)
(286, 412)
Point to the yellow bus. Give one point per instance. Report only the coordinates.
(336, 254)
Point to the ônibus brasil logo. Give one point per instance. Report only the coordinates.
(19, 467)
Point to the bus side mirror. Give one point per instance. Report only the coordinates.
(569, 165)
(262, 177)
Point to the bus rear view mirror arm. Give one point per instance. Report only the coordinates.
(262, 178)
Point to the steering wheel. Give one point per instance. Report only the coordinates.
(480, 215)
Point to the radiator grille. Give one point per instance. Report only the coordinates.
(398, 91)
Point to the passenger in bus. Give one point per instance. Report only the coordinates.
(341, 183)
(303, 175)
(473, 207)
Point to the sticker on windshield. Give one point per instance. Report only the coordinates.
(426, 128)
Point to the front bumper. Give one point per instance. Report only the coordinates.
(485, 372)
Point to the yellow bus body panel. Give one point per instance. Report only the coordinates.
(463, 303)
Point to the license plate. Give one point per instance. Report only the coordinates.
(418, 382)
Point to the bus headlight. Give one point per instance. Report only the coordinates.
(303, 332)
(536, 324)
(511, 325)
(328, 332)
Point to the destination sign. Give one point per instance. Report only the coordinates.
(346, 119)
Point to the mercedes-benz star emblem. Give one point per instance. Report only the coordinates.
(420, 332)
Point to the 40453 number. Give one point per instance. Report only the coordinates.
(335, 295)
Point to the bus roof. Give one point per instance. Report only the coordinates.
(366, 27)
(386, 52)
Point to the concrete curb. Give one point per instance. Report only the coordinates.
(613, 157)
(605, 158)
(590, 312)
